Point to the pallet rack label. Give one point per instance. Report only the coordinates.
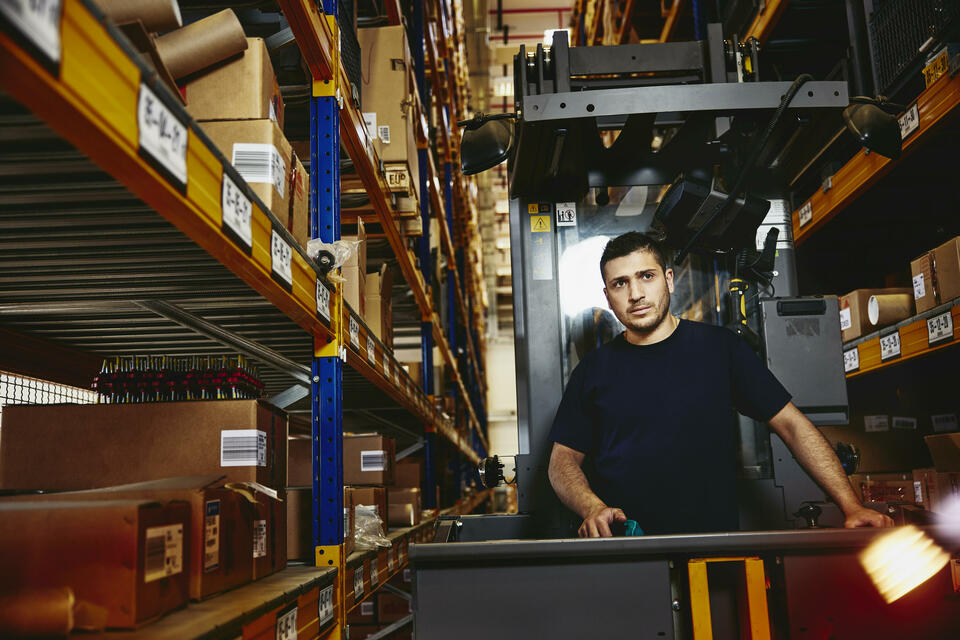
(163, 552)
(237, 213)
(371, 351)
(163, 138)
(287, 624)
(281, 257)
(940, 328)
(806, 213)
(38, 21)
(909, 121)
(323, 301)
(354, 332)
(326, 605)
(890, 346)
(851, 360)
(358, 583)
(374, 573)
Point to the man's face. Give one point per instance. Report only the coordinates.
(638, 291)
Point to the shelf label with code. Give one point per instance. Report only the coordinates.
(354, 332)
(806, 213)
(38, 21)
(371, 351)
(909, 121)
(358, 583)
(237, 212)
(326, 605)
(890, 346)
(940, 328)
(281, 257)
(287, 625)
(851, 360)
(323, 301)
(374, 573)
(163, 138)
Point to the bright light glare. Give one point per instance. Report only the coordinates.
(901, 560)
(581, 286)
(948, 517)
(548, 36)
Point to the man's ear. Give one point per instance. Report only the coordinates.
(668, 274)
(607, 296)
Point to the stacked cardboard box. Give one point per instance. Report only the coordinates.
(936, 275)
(854, 320)
(404, 507)
(368, 463)
(354, 272)
(378, 308)
(299, 502)
(408, 473)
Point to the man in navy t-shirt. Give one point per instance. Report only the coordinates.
(653, 410)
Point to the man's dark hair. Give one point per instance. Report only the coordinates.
(624, 245)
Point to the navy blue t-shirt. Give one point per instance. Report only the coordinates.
(658, 427)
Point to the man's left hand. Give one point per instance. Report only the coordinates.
(863, 517)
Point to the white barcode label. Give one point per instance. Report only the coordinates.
(918, 492)
(890, 346)
(163, 552)
(919, 290)
(876, 423)
(211, 535)
(346, 522)
(237, 212)
(940, 328)
(326, 605)
(944, 422)
(162, 136)
(370, 120)
(374, 572)
(391, 560)
(851, 360)
(260, 163)
(373, 461)
(281, 258)
(383, 131)
(845, 321)
(566, 214)
(909, 121)
(902, 422)
(243, 448)
(354, 332)
(38, 21)
(805, 214)
(358, 583)
(323, 301)
(366, 608)
(287, 625)
(259, 538)
(371, 350)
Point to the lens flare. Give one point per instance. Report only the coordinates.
(901, 560)
(948, 518)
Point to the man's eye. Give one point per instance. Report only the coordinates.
(648, 276)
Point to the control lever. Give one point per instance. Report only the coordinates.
(811, 513)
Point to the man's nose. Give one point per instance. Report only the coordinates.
(636, 291)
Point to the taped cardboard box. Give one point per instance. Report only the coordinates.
(947, 257)
(260, 153)
(71, 447)
(242, 88)
(130, 557)
(368, 459)
(925, 294)
(854, 320)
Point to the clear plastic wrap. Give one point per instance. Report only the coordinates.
(332, 254)
(368, 529)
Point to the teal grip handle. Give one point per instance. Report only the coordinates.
(631, 528)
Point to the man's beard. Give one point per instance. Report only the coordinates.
(650, 323)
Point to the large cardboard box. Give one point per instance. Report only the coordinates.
(408, 474)
(261, 154)
(299, 462)
(884, 487)
(880, 452)
(300, 524)
(71, 447)
(378, 298)
(944, 449)
(242, 88)
(371, 496)
(368, 459)
(854, 321)
(354, 272)
(130, 557)
(404, 506)
(387, 102)
(269, 518)
(299, 222)
(947, 258)
(925, 293)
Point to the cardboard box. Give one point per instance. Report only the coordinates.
(299, 221)
(261, 154)
(366, 613)
(378, 299)
(408, 473)
(269, 518)
(361, 631)
(387, 101)
(242, 88)
(354, 272)
(947, 258)
(853, 312)
(944, 450)
(375, 496)
(130, 557)
(925, 293)
(71, 447)
(368, 459)
(391, 607)
(299, 462)
(881, 452)
(300, 524)
(884, 487)
(404, 506)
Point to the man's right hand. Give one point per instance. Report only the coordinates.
(597, 523)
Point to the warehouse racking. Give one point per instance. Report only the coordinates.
(131, 247)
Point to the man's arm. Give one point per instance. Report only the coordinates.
(571, 486)
(815, 455)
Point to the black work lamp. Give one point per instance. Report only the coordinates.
(873, 124)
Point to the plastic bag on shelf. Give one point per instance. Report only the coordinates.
(368, 529)
(330, 255)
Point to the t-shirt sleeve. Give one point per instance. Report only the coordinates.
(756, 391)
(571, 425)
